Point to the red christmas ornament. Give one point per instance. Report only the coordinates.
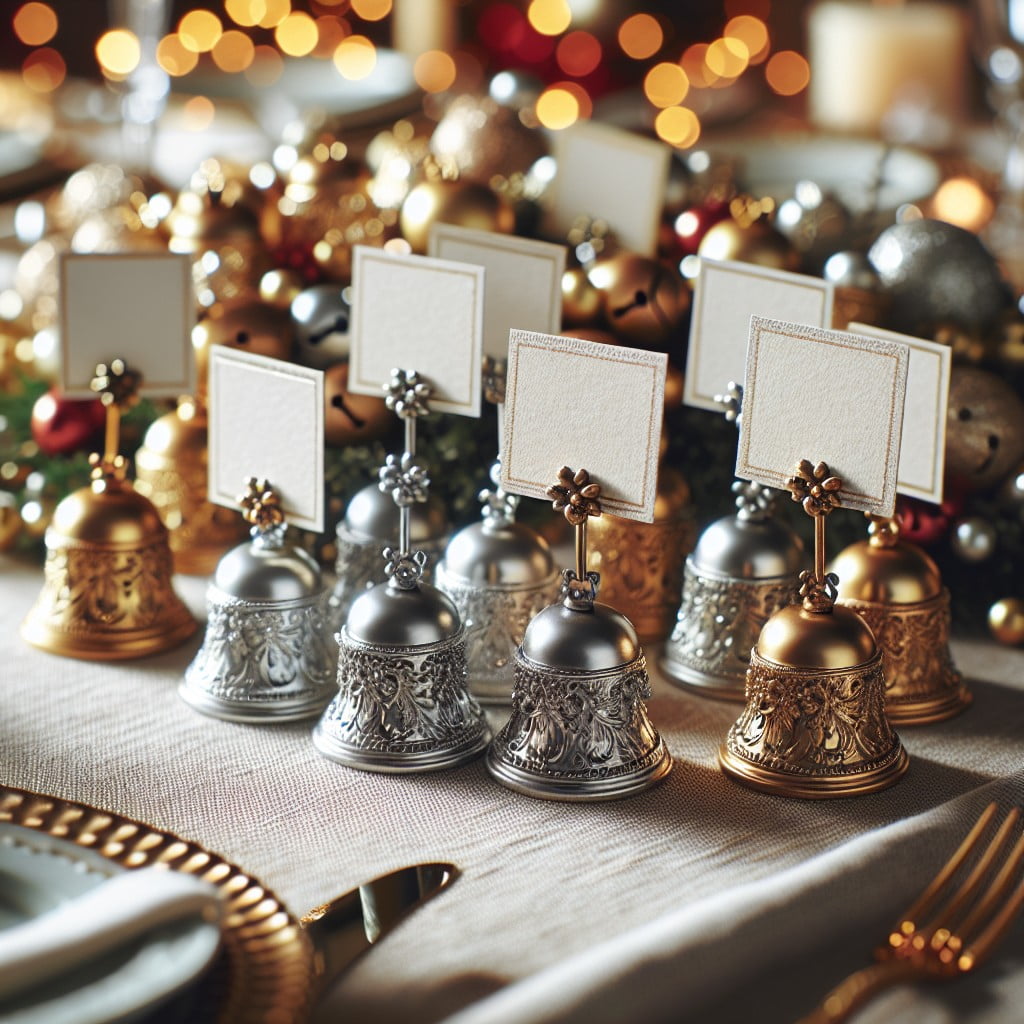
(693, 224)
(926, 524)
(61, 425)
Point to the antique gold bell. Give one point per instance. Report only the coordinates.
(814, 724)
(107, 590)
(897, 589)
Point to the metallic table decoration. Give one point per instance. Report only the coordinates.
(579, 728)
(266, 655)
(744, 568)
(897, 589)
(107, 590)
(499, 573)
(403, 704)
(814, 724)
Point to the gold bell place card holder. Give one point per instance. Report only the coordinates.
(403, 702)
(267, 655)
(500, 573)
(107, 590)
(814, 724)
(579, 728)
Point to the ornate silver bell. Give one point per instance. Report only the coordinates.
(500, 574)
(579, 728)
(403, 704)
(267, 654)
(744, 568)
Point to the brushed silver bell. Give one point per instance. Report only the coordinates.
(500, 574)
(744, 568)
(371, 524)
(267, 654)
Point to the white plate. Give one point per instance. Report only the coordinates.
(37, 874)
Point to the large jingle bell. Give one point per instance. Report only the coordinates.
(897, 589)
(266, 655)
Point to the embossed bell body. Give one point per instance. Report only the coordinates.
(371, 524)
(107, 592)
(744, 568)
(897, 589)
(267, 655)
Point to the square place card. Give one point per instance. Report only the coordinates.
(826, 396)
(417, 313)
(923, 451)
(726, 296)
(267, 421)
(522, 282)
(576, 403)
(612, 174)
(138, 307)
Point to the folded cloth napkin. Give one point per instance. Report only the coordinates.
(119, 911)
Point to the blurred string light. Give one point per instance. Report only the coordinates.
(118, 53)
(35, 24)
(296, 35)
(199, 31)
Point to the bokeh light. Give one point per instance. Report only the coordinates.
(234, 51)
(266, 68)
(198, 114)
(695, 65)
(578, 54)
(355, 57)
(640, 36)
(960, 200)
(199, 30)
(274, 12)
(372, 10)
(35, 24)
(43, 70)
(296, 35)
(434, 71)
(787, 73)
(118, 52)
(678, 126)
(666, 84)
(752, 32)
(330, 30)
(172, 56)
(557, 108)
(727, 58)
(246, 13)
(549, 17)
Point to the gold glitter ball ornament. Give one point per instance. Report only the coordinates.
(1006, 621)
(465, 203)
(756, 242)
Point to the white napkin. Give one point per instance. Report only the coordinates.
(116, 912)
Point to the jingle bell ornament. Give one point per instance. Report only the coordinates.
(266, 656)
(107, 591)
(402, 703)
(579, 728)
(897, 589)
(814, 724)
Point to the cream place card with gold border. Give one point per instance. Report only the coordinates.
(825, 396)
(267, 421)
(137, 307)
(522, 283)
(726, 296)
(570, 402)
(923, 451)
(417, 313)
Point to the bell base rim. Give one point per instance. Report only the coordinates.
(703, 683)
(252, 712)
(568, 790)
(927, 710)
(392, 763)
(108, 645)
(811, 787)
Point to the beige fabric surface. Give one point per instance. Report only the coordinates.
(699, 900)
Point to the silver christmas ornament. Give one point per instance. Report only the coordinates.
(974, 539)
(266, 655)
(320, 318)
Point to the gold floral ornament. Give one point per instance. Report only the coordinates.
(116, 384)
(814, 488)
(261, 506)
(575, 496)
(407, 394)
(883, 531)
(818, 593)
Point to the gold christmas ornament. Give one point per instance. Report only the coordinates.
(1006, 621)
(814, 724)
(581, 301)
(350, 418)
(465, 203)
(747, 236)
(107, 590)
(279, 287)
(897, 589)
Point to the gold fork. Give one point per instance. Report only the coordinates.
(952, 926)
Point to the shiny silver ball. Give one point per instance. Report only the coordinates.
(974, 539)
(850, 269)
(936, 273)
(320, 320)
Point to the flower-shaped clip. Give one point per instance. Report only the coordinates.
(816, 491)
(580, 594)
(575, 496)
(754, 501)
(818, 595)
(407, 394)
(883, 531)
(499, 507)
(404, 570)
(406, 482)
(116, 384)
(732, 403)
(261, 507)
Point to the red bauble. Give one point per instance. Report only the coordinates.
(926, 524)
(693, 224)
(61, 425)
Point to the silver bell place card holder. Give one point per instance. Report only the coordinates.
(402, 702)
(579, 728)
(267, 655)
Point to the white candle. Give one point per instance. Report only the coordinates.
(869, 59)
(421, 25)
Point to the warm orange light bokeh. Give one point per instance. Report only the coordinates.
(578, 54)
(296, 35)
(43, 70)
(266, 67)
(727, 58)
(35, 24)
(372, 10)
(960, 200)
(118, 53)
(434, 71)
(246, 13)
(557, 108)
(677, 126)
(666, 84)
(640, 36)
(330, 30)
(355, 57)
(234, 51)
(172, 56)
(752, 32)
(199, 30)
(787, 73)
(275, 11)
(549, 17)
(198, 114)
(695, 65)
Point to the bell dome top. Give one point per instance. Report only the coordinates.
(586, 641)
(799, 638)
